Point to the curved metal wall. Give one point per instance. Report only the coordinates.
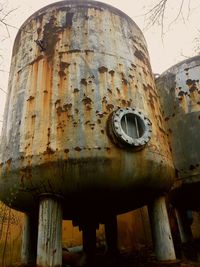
(73, 64)
(179, 92)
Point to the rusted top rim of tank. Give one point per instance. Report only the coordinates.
(186, 61)
(79, 3)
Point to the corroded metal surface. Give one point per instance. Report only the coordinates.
(73, 64)
(29, 239)
(179, 92)
(180, 97)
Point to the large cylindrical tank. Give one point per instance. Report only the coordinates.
(179, 92)
(82, 117)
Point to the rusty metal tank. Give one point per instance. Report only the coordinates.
(82, 118)
(179, 92)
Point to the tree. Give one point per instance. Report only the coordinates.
(5, 13)
(157, 14)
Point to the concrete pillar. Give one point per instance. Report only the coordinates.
(111, 234)
(161, 233)
(29, 239)
(183, 225)
(49, 246)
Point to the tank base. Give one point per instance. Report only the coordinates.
(175, 263)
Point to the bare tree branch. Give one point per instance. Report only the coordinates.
(156, 15)
(8, 13)
(4, 15)
(189, 9)
(3, 90)
(179, 13)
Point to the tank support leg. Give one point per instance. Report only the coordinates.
(183, 225)
(111, 234)
(89, 241)
(49, 247)
(29, 239)
(161, 233)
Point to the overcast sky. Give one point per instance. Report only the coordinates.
(177, 44)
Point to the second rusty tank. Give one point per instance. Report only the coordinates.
(179, 92)
(82, 118)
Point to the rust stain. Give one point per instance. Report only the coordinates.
(39, 30)
(124, 81)
(59, 110)
(110, 91)
(76, 90)
(37, 59)
(8, 163)
(140, 55)
(133, 65)
(112, 72)
(77, 148)
(110, 107)
(104, 100)
(88, 51)
(118, 91)
(61, 73)
(102, 69)
(87, 100)
(67, 107)
(51, 36)
(64, 65)
(30, 98)
(73, 51)
(84, 82)
(69, 19)
(57, 102)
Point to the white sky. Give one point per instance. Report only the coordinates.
(179, 39)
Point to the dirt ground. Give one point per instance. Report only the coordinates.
(188, 254)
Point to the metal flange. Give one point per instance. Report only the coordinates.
(131, 127)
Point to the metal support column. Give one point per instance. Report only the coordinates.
(49, 247)
(161, 233)
(183, 226)
(111, 234)
(89, 242)
(29, 239)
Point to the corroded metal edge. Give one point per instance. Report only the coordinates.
(79, 3)
(171, 69)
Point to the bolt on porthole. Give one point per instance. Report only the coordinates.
(131, 128)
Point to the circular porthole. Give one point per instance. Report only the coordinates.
(131, 127)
